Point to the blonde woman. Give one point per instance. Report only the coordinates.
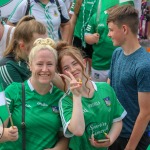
(42, 119)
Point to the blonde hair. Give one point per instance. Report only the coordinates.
(42, 44)
(24, 30)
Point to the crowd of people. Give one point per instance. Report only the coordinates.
(76, 73)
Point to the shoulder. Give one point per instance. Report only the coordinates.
(105, 90)
(13, 88)
(142, 58)
(6, 59)
(56, 91)
(60, 3)
(117, 52)
(103, 85)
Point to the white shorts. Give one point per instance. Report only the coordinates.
(99, 75)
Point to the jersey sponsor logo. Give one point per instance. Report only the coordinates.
(55, 109)
(42, 104)
(93, 104)
(97, 129)
(107, 101)
(55, 13)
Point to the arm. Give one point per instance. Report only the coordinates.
(73, 23)
(57, 81)
(141, 121)
(65, 28)
(62, 144)
(91, 35)
(115, 131)
(76, 125)
(91, 38)
(10, 134)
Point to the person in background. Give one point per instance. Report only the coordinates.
(129, 77)
(42, 119)
(79, 22)
(68, 4)
(89, 111)
(6, 32)
(96, 34)
(13, 67)
(52, 13)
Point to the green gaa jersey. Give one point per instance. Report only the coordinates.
(100, 112)
(102, 51)
(87, 9)
(41, 117)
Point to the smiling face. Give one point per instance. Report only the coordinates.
(68, 63)
(43, 67)
(116, 34)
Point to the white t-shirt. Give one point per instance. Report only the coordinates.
(68, 3)
(49, 15)
(4, 39)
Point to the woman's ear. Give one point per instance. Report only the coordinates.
(21, 45)
(84, 62)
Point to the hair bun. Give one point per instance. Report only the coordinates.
(61, 45)
(47, 41)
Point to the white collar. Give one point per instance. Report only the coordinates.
(94, 85)
(32, 88)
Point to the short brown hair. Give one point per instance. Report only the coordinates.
(125, 14)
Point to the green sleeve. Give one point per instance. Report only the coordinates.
(12, 92)
(65, 108)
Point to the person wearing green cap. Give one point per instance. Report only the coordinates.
(129, 76)
(96, 34)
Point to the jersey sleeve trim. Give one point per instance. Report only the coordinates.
(121, 117)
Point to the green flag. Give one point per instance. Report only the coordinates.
(4, 113)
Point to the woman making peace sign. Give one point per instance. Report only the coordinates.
(89, 111)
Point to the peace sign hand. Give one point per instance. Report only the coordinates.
(75, 86)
